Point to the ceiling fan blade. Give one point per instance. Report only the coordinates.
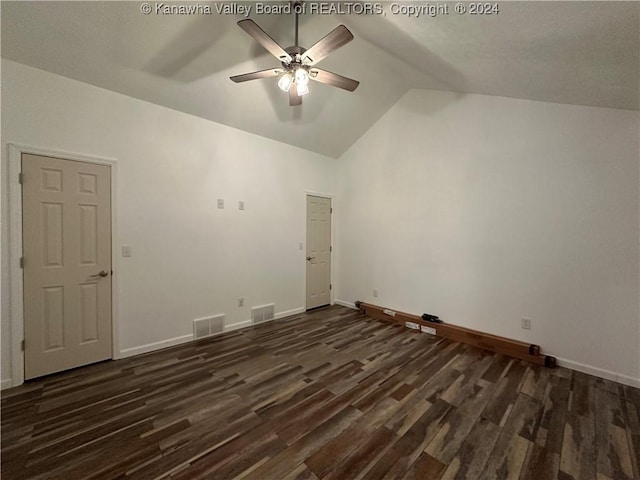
(333, 79)
(338, 37)
(294, 98)
(264, 39)
(271, 72)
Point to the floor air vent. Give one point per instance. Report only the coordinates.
(263, 313)
(204, 327)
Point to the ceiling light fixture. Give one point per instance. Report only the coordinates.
(303, 88)
(298, 75)
(285, 82)
(298, 63)
(302, 76)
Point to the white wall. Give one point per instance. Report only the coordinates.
(484, 210)
(189, 258)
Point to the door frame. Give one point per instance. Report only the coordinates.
(332, 276)
(16, 304)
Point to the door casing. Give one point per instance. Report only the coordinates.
(16, 307)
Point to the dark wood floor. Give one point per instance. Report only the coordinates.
(327, 395)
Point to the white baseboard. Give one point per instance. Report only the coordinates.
(151, 347)
(599, 372)
(4, 384)
(237, 325)
(345, 304)
(249, 323)
(288, 313)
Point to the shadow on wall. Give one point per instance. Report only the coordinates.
(192, 54)
(381, 32)
(427, 105)
(211, 44)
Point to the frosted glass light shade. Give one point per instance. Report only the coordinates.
(285, 82)
(303, 88)
(302, 77)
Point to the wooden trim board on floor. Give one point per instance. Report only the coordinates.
(486, 341)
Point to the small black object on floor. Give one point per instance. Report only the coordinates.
(431, 318)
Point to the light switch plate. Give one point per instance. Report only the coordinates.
(220, 203)
(126, 250)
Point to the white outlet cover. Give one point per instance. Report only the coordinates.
(220, 203)
(375, 292)
(429, 330)
(241, 205)
(525, 323)
(126, 250)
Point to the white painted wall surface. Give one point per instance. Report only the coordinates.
(485, 209)
(190, 259)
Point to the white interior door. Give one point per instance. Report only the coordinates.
(66, 209)
(318, 251)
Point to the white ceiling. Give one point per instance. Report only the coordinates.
(583, 53)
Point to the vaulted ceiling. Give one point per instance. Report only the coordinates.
(583, 53)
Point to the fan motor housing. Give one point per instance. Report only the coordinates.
(295, 50)
(296, 53)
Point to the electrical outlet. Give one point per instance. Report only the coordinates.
(220, 203)
(241, 205)
(375, 292)
(241, 302)
(525, 323)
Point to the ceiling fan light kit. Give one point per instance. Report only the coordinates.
(298, 63)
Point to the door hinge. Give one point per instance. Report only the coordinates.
(21, 178)
(331, 210)
(22, 345)
(21, 262)
(331, 248)
(330, 287)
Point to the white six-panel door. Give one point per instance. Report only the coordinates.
(66, 208)
(318, 251)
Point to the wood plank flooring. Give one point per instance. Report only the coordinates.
(325, 395)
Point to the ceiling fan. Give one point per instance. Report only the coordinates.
(298, 63)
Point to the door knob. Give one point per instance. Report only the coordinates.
(101, 273)
(310, 258)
